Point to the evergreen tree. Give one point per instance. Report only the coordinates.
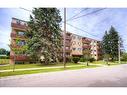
(110, 44)
(44, 34)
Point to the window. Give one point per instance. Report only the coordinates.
(79, 38)
(74, 48)
(67, 47)
(79, 43)
(74, 42)
(79, 49)
(18, 22)
(74, 37)
(21, 33)
(21, 43)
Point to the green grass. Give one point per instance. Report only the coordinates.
(111, 63)
(3, 74)
(4, 61)
(23, 66)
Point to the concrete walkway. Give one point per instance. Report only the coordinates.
(113, 76)
(38, 68)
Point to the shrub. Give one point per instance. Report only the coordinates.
(4, 57)
(82, 59)
(91, 59)
(124, 57)
(75, 59)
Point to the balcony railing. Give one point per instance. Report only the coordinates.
(14, 35)
(67, 43)
(86, 46)
(68, 37)
(15, 46)
(67, 50)
(19, 26)
(19, 57)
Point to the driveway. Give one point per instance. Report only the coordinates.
(113, 76)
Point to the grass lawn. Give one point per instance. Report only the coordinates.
(23, 66)
(4, 61)
(3, 74)
(111, 63)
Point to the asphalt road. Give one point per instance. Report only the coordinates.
(113, 76)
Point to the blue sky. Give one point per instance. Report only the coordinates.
(95, 24)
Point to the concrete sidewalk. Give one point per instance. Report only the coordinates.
(10, 70)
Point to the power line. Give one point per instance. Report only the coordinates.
(77, 14)
(26, 9)
(72, 25)
(81, 30)
(88, 14)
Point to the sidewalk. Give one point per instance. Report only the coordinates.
(37, 68)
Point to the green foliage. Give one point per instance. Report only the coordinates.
(124, 57)
(110, 43)
(82, 59)
(91, 60)
(75, 59)
(4, 57)
(4, 52)
(44, 34)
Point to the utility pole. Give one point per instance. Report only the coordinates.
(64, 35)
(119, 51)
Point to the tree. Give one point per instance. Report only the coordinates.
(86, 55)
(110, 44)
(2, 51)
(124, 57)
(44, 34)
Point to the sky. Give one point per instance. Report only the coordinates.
(93, 25)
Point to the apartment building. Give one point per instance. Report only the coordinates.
(18, 41)
(79, 46)
(75, 45)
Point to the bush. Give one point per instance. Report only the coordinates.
(75, 59)
(4, 57)
(91, 59)
(82, 59)
(124, 57)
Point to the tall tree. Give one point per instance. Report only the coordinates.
(44, 34)
(110, 44)
(2, 51)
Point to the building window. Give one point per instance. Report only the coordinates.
(79, 49)
(18, 22)
(74, 37)
(67, 47)
(79, 43)
(74, 42)
(79, 38)
(21, 43)
(74, 48)
(21, 33)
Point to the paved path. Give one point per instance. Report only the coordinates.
(9, 70)
(113, 76)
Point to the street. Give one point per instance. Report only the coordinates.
(113, 76)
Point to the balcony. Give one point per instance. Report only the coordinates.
(86, 46)
(68, 37)
(14, 35)
(86, 41)
(15, 46)
(19, 57)
(68, 50)
(18, 26)
(68, 44)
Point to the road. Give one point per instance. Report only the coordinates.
(113, 76)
